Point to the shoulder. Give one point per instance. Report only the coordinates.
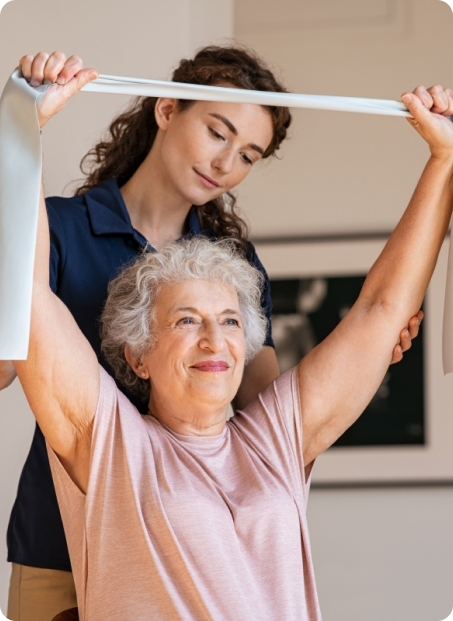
(113, 404)
(272, 424)
(280, 399)
(251, 254)
(253, 258)
(61, 208)
(66, 216)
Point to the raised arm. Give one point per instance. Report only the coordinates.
(61, 375)
(340, 376)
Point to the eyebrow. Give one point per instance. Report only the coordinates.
(234, 131)
(190, 309)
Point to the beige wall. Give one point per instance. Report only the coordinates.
(143, 38)
(378, 553)
(344, 171)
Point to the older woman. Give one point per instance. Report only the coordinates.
(181, 514)
(150, 180)
(163, 172)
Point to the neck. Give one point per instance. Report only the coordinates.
(156, 210)
(200, 420)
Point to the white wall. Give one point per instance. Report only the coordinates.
(143, 38)
(382, 553)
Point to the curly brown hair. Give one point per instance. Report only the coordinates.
(131, 135)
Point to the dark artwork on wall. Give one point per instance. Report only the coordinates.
(306, 310)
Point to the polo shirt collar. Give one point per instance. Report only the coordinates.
(193, 224)
(109, 215)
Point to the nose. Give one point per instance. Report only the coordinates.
(211, 337)
(224, 161)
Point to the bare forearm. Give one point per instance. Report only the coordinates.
(399, 278)
(58, 353)
(340, 376)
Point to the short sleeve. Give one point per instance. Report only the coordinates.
(82, 513)
(272, 427)
(266, 299)
(56, 244)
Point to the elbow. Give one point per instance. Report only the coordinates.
(379, 304)
(391, 301)
(390, 313)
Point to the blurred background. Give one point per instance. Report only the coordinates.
(380, 552)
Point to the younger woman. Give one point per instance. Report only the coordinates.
(163, 173)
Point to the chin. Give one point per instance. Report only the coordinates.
(198, 200)
(200, 196)
(209, 393)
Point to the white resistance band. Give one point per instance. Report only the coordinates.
(20, 177)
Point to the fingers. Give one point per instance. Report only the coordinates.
(83, 77)
(406, 336)
(397, 355)
(67, 77)
(71, 68)
(414, 324)
(411, 332)
(424, 96)
(442, 100)
(418, 107)
(54, 65)
(25, 66)
(37, 68)
(48, 69)
(405, 340)
(435, 99)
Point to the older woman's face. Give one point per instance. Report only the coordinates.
(198, 353)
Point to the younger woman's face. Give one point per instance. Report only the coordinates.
(210, 147)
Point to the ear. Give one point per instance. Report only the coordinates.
(164, 110)
(136, 365)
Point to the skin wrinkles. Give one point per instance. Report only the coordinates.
(185, 399)
(195, 321)
(190, 146)
(154, 204)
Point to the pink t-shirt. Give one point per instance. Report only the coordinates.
(192, 527)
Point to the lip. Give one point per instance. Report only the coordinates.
(211, 366)
(207, 181)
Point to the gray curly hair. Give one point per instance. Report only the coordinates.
(127, 318)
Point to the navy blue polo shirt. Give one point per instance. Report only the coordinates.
(92, 238)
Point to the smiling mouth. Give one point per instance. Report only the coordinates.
(207, 181)
(211, 366)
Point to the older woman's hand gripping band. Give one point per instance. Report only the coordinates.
(200, 333)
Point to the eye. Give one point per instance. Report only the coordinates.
(187, 321)
(232, 322)
(216, 134)
(246, 159)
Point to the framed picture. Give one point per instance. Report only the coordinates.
(405, 434)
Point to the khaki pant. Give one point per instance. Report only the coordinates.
(39, 594)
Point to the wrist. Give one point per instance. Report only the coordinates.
(444, 158)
